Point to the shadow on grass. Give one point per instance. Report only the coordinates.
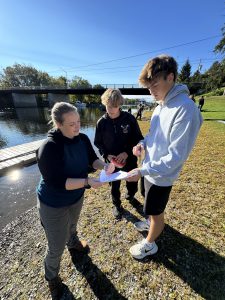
(137, 206)
(67, 294)
(202, 269)
(130, 217)
(221, 119)
(206, 110)
(98, 281)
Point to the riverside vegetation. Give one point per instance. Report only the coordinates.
(190, 263)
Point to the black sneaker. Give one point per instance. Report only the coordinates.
(117, 212)
(56, 288)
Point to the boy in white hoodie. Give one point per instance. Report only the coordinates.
(175, 124)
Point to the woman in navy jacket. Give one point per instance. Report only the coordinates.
(64, 160)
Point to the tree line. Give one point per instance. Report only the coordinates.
(21, 75)
(212, 80)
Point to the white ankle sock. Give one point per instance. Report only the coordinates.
(148, 243)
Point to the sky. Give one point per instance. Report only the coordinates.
(108, 42)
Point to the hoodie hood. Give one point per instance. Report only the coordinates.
(176, 90)
(119, 118)
(55, 133)
(57, 136)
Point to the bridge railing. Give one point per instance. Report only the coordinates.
(120, 86)
(106, 86)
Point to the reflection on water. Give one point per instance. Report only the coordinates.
(24, 125)
(17, 193)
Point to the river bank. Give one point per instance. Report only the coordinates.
(184, 268)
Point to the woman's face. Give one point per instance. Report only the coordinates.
(70, 127)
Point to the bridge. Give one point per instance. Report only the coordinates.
(26, 96)
(126, 89)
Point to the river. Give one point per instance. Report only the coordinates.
(23, 125)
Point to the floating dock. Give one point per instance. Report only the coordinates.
(18, 156)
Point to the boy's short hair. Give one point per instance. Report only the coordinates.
(112, 97)
(160, 65)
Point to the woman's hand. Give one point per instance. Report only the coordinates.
(138, 150)
(109, 168)
(94, 182)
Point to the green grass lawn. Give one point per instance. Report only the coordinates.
(214, 108)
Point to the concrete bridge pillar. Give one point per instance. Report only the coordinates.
(24, 100)
(53, 98)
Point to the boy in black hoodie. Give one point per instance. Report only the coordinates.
(117, 132)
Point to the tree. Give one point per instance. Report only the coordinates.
(23, 76)
(220, 47)
(215, 76)
(44, 79)
(94, 98)
(185, 73)
(19, 76)
(78, 82)
(60, 82)
(197, 77)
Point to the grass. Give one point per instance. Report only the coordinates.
(190, 263)
(191, 259)
(214, 108)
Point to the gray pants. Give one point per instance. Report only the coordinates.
(60, 228)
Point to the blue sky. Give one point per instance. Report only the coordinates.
(107, 42)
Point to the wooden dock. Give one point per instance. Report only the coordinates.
(18, 156)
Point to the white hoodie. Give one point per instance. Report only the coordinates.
(174, 128)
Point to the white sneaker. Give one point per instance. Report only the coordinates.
(143, 249)
(142, 225)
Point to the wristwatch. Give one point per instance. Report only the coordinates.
(86, 184)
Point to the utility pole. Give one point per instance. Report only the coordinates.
(66, 76)
(200, 65)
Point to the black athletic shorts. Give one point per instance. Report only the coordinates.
(156, 198)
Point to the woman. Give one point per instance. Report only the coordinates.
(64, 159)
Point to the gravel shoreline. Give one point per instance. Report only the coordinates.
(108, 272)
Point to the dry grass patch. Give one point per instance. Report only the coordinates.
(190, 262)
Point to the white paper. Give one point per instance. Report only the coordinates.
(103, 177)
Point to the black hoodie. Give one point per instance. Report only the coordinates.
(114, 136)
(60, 158)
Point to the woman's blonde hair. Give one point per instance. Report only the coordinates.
(59, 109)
(112, 97)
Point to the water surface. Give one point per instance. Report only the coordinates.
(23, 125)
